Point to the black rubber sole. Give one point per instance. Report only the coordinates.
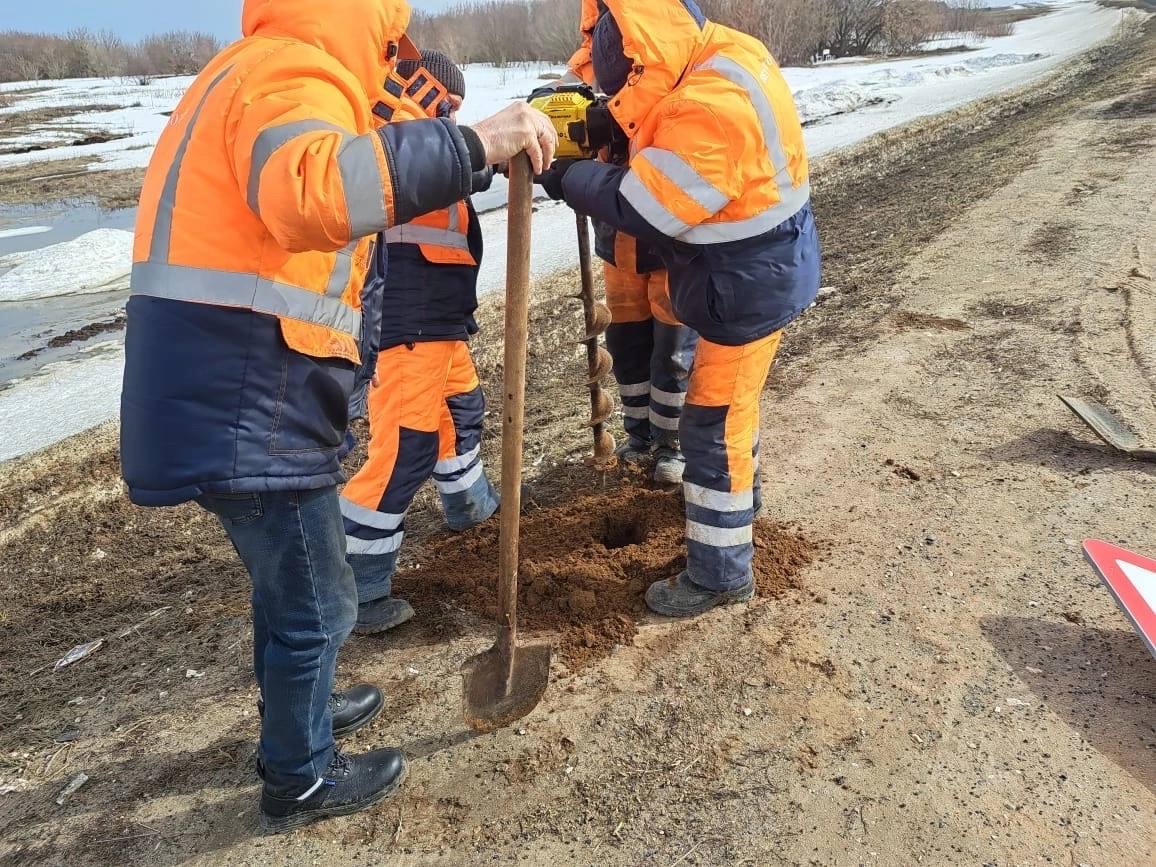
(282, 824)
(360, 724)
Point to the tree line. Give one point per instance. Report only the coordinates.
(84, 54)
(796, 31)
(507, 31)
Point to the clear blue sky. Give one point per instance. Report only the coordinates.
(133, 19)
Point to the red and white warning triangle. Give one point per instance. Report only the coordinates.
(1132, 580)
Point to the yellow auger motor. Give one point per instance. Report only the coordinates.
(581, 119)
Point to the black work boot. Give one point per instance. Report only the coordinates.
(683, 598)
(353, 709)
(351, 784)
(381, 615)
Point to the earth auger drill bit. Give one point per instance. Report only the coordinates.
(598, 359)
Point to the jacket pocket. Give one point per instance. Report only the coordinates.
(720, 300)
(311, 411)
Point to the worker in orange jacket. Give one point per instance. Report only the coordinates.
(652, 350)
(252, 245)
(427, 409)
(718, 183)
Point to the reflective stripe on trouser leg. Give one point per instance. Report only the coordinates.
(467, 496)
(670, 361)
(630, 341)
(404, 411)
(719, 431)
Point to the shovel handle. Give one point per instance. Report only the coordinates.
(514, 395)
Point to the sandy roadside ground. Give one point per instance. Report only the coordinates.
(946, 682)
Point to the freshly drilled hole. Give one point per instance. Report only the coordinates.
(618, 533)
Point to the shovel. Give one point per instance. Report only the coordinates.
(1110, 429)
(506, 682)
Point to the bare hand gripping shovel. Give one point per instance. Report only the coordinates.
(506, 682)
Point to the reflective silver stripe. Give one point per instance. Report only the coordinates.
(667, 398)
(309, 792)
(364, 191)
(640, 412)
(233, 289)
(719, 233)
(792, 198)
(370, 517)
(463, 484)
(388, 545)
(411, 234)
(163, 225)
(662, 421)
(342, 271)
(461, 462)
(269, 141)
(680, 173)
(737, 74)
(634, 389)
(652, 210)
(718, 501)
(718, 537)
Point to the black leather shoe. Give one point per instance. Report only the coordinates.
(351, 784)
(353, 709)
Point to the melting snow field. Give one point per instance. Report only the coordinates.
(97, 261)
(841, 102)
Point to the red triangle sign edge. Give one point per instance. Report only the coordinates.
(1105, 558)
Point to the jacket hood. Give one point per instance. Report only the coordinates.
(357, 33)
(662, 37)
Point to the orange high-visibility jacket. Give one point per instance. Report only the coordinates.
(252, 246)
(442, 236)
(718, 174)
(717, 150)
(270, 178)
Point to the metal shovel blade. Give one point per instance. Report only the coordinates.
(1107, 427)
(498, 690)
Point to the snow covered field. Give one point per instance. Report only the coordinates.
(841, 103)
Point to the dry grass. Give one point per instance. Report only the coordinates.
(52, 180)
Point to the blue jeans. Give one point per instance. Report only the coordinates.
(304, 607)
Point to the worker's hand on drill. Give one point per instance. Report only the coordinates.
(518, 127)
(551, 179)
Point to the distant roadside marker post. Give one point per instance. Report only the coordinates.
(1131, 579)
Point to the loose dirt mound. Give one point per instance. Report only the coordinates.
(585, 566)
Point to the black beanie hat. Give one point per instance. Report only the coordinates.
(440, 67)
(611, 65)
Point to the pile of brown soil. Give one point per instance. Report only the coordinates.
(585, 566)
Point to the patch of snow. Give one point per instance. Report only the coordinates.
(97, 261)
(61, 400)
(24, 230)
